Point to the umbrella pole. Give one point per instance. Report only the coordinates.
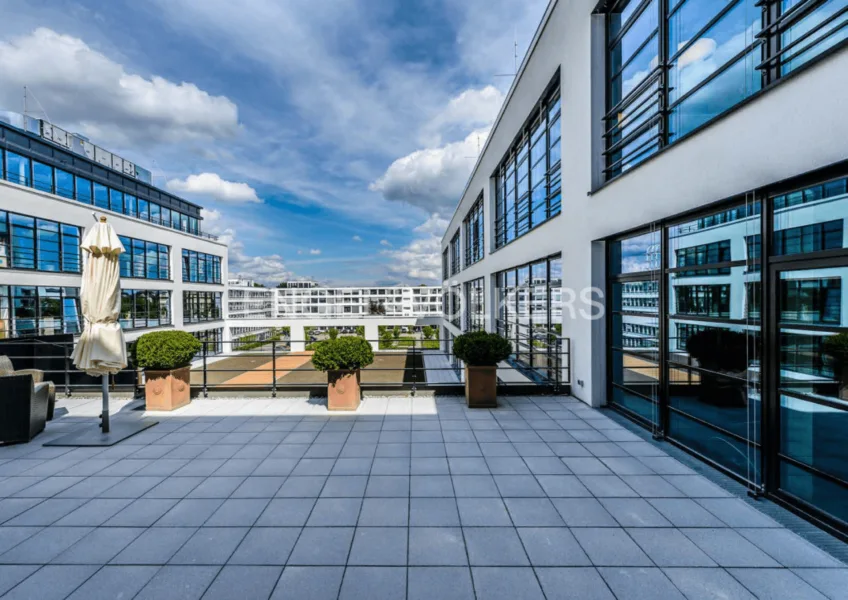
(104, 417)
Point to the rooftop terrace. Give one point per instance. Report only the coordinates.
(418, 497)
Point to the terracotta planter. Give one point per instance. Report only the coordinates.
(343, 391)
(481, 387)
(167, 390)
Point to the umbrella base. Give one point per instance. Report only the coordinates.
(93, 436)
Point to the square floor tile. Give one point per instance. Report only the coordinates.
(552, 547)
(190, 512)
(518, 486)
(209, 546)
(670, 548)
(831, 582)
(111, 581)
(243, 582)
(683, 512)
(728, 548)
(379, 546)
(583, 512)
(155, 546)
(335, 512)
(388, 486)
(286, 512)
(322, 546)
(433, 512)
(431, 486)
(178, 583)
(344, 486)
(258, 487)
(574, 583)
(483, 512)
(437, 546)
(610, 547)
(53, 582)
(640, 583)
(707, 584)
(312, 583)
(634, 512)
(775, 584)
(789, 549)
(100, 546)
(367, 583)
(237, 512)
(45, 545)
(494, 546)
(533, 512)
(266, 546)
(506, 583)
(384, 512)
(302, 487)
(444, 583)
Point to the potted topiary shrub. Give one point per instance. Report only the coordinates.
(721, 351)
(481, 352)
(836, 347)
(166, 358)
(341, 359)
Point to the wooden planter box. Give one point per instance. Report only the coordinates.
(343, 391)
(167, 390)
(481, 387)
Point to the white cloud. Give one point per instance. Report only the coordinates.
(356, 238)
(471, 109)
(385, 243)
(420, 260)
(211, 185)
(84, 89)
(432, 179)
(314, 251)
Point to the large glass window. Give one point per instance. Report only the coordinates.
(445, 264)
(144, 260)
(18, 169)
(673, 66)
(530, 315)
(455, 254)
(101, 196)
(84, 193)
(528, 183)
(199, 267)
(142, 309)
(201, 306)
(29, 243)
(31, 310)
(64, 184)
(42, 177)
(473, 226)
(475, 310)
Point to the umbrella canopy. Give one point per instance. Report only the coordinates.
(101, 349)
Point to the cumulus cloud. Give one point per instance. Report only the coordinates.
(385, 243)
(86, 90)
(356, 238)
(211, 185)
(420, 260)
(314, 251)
(434, 178)
(472, 109)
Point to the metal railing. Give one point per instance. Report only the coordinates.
(277, 365)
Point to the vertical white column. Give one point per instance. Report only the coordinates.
(297, 336)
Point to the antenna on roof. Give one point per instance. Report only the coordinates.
(514, 56)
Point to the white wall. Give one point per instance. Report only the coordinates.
(796, 127)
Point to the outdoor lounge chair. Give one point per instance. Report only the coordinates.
(6, 368)
(23, 408)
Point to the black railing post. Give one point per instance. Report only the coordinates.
(67, 371)
(273, 368)
(205, 390)
(414, 365)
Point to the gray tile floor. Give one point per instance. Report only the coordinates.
(409, 498)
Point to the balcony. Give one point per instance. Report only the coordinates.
(410, 497)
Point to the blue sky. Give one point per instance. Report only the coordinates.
(327, 139)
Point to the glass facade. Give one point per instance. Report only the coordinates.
(201, 306)
(673, 66)
(475, 305)
(455, 255)
(145, 260)
(528, 185)
(142, 309)
(690, 305)
(38, 244)
(212, 340)
(23, 170)
(473, 227)
(530, 315)
(199, 267)
(445, 264)
(42, 310)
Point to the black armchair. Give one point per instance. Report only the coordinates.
(23, 408)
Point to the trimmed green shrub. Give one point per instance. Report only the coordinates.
(166, 350)
(429, 331)
(481, 349)
(836, 346)
(718, 349)
(343, 354)
(333, 333)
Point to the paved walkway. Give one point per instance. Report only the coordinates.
(259, 498)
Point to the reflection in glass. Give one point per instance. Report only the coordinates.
(637, 254)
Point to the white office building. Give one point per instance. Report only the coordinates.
(51, 181)
(676, 173)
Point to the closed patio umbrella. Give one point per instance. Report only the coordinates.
(101, 349)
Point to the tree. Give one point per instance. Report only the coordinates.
(376, 308)
(333, 333)
(428, 332)
(396, 332)
(386, 342)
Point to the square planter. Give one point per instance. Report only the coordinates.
(343, 391)
(167, 390)
(481, 387)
